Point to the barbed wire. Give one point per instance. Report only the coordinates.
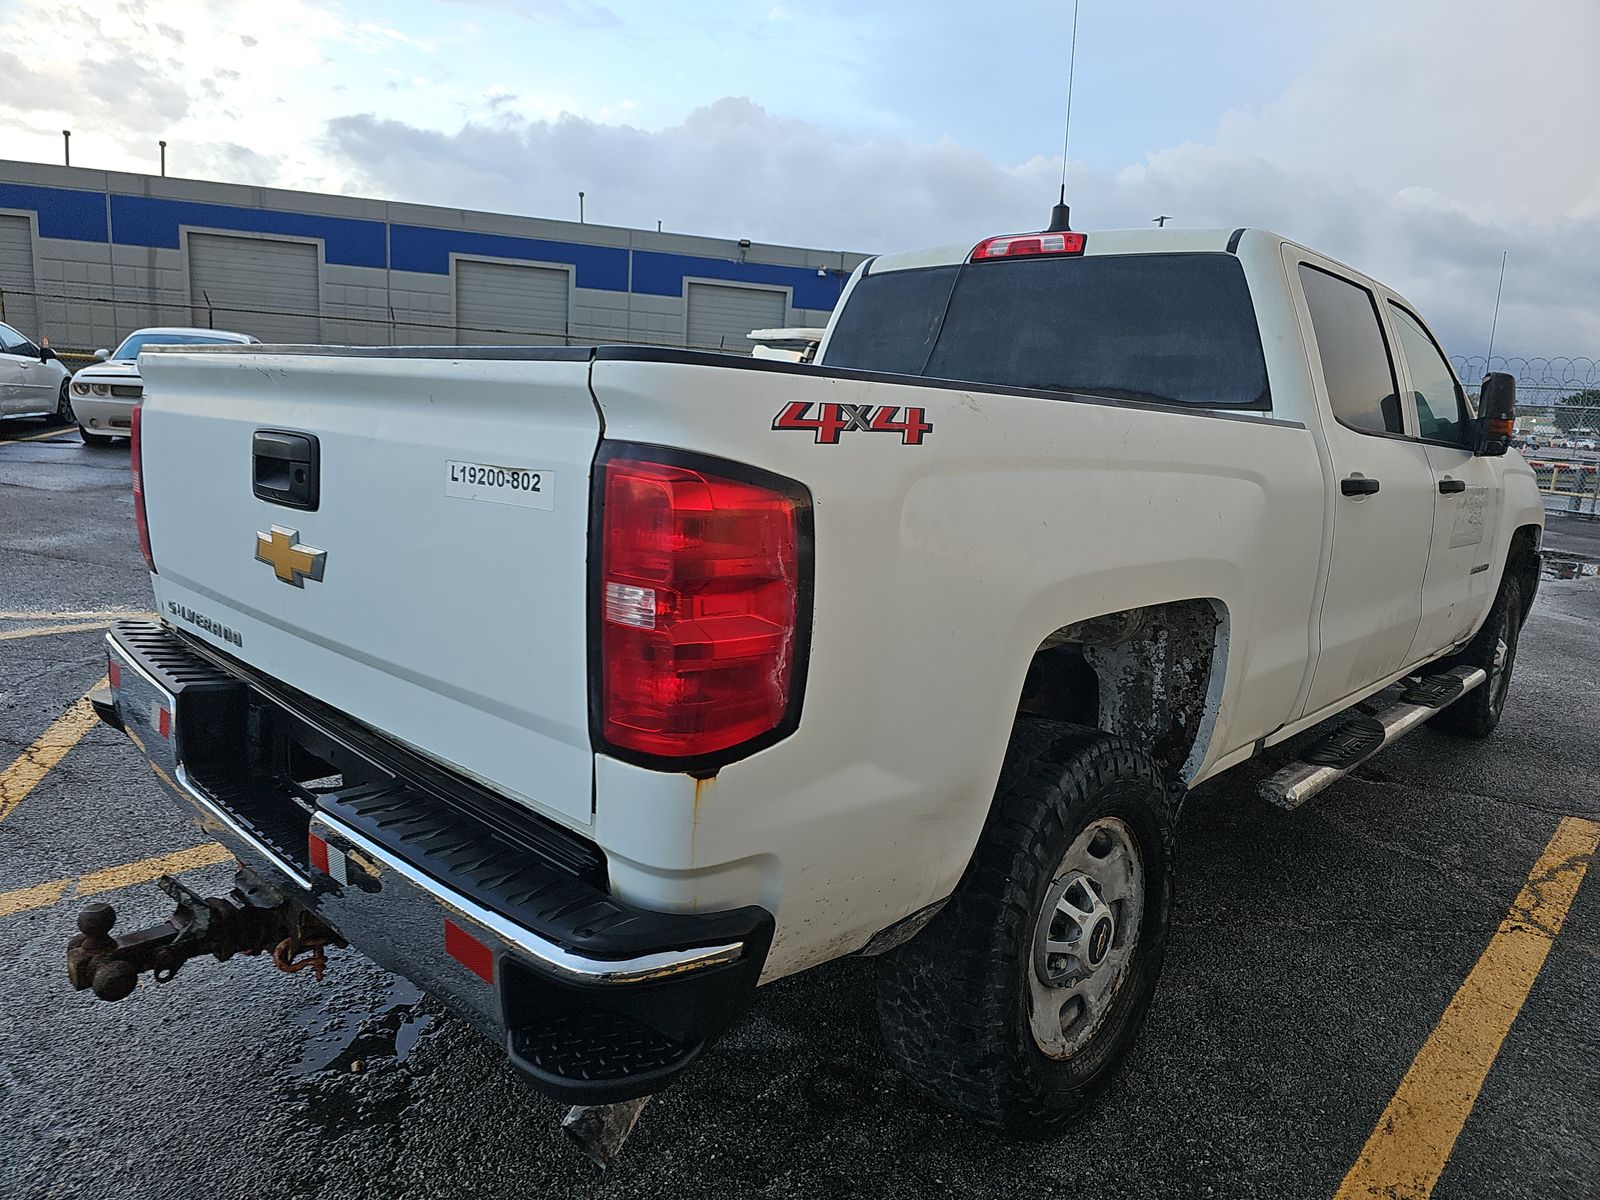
(1575, 373)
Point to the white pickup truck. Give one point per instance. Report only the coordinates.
(592, 687)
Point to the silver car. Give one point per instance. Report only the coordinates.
(33, 381)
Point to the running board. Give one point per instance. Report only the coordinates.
(1359, 738)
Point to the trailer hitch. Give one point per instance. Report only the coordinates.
(222, 926)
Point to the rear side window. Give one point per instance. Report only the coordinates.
(1355, 357)
(1441, 408)
(1162, 328)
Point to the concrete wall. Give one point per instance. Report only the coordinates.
(110, 255)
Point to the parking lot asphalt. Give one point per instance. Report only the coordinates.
(1313, 956)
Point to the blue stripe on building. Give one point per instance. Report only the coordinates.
(426, 249)
(80, 215)
(660, 274)
(150, 221)
(63, 212)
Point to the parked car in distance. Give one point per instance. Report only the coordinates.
(33, 381)
(103, 395)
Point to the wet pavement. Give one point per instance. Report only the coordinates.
(1312, 956)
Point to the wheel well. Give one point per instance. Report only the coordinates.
(1145, 674)
(1524, 564)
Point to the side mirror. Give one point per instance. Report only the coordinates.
(1497, 413)
(46, 354)
(102, 355)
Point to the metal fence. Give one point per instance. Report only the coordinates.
(135, 310)
(1558, 423)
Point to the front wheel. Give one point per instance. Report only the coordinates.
(95, 439)
(63, 414)
(1019, 1001)
(1494, 649)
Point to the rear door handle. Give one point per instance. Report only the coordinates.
(1450, 487)
(1358, 486)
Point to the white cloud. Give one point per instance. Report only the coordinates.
(1416, 145)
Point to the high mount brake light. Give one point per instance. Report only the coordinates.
(1028, 245)
(136, 459)
(703, 601)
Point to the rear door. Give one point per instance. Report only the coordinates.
(267, 287)
(721, 316)
(436, 590)
(1460, 581)
(1382, 488)
(15, 396)
(511, 304)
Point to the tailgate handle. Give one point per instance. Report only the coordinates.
(285, 468)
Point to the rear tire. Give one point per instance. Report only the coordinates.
(1494, 649)
(1019, 1001)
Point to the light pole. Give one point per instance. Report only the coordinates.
(66, 145)
(580, 208)
(163, 145)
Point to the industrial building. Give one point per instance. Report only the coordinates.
(86, 256)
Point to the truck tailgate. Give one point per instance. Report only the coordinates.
(450, 611)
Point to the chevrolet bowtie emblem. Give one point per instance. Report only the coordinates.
(290, 561)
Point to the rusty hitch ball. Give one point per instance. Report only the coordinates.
(109, 978)
(114, 980)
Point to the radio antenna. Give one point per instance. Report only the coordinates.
(1061, 214)
(1488, 359)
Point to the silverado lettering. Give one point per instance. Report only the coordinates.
(215, 628)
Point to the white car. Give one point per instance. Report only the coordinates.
(103, 395)
(33, 381)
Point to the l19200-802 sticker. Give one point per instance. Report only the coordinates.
(529, 487)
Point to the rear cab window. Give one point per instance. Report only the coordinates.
(1156, 328)
(1356, 368)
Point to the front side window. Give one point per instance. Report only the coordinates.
(12, 342)
(1355, 357)
(1440, 405)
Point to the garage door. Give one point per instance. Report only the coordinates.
(505, 304)
(16, 275)
(721, 317)
(264, 288)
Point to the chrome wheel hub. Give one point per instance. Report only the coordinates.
(1085, 936)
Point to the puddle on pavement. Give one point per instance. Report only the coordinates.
(343, 1030)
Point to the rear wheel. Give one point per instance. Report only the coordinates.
(1018, 1002)
(1494, 649)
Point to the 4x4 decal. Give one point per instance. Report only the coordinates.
(835, 419)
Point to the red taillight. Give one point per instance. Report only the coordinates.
(1026, 245)
(136, 456)
(701, 607)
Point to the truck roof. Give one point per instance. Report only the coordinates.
(1097, 241)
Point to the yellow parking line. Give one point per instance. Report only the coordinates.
(40, 895)
(51, 746)
(1407, 1151)
(112, 878)
(44, 630)
(34, 437)
(43, 895)
(109, 614)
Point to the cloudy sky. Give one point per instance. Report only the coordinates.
(1415, 139)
